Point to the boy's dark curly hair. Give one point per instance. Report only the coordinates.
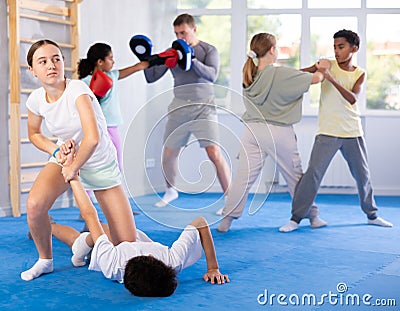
(350, 36)
(146, 276)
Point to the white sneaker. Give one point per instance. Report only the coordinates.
(379, 222)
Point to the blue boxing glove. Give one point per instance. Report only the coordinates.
(191, 51)
(141, 46)
(185, 53)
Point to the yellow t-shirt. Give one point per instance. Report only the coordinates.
(337, 117)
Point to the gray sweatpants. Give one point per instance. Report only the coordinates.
(260, 140)
(325, 147)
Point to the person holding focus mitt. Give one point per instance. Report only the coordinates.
(96, 70)
(192, 106)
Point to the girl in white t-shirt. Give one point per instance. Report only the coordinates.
(71, 113)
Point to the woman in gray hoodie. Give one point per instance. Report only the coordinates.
(273, 99)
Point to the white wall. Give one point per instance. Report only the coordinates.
(115, 24)
(109, 23)
(383, 144)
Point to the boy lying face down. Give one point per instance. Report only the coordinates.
(147, 268)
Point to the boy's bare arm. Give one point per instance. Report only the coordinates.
(126, 72)
(213, 274)
(317, 77)
(311, 69)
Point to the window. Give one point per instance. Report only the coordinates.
(273, 4)
(318, 4)
(383, 62)
(304, 30)
(216, 30)
(204, 4)
(220, 38)
(286, 28)
(383, 4)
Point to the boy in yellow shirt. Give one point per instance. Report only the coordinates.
(339, 128)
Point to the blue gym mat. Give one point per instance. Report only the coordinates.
(347, 265)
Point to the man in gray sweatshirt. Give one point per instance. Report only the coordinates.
(192, 111)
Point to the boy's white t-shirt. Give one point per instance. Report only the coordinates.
(62, 120)
(111, 260)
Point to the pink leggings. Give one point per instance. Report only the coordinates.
(114, 135)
